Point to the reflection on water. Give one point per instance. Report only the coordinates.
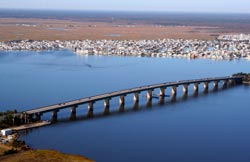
(193, 127)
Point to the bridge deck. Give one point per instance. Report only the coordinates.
(124, 92)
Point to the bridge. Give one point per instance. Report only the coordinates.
(37, 112)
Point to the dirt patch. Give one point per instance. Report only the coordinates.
(4, 148)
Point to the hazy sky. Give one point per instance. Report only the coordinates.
(240, 6)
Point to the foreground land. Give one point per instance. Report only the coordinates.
(3, 148)
(39, 156)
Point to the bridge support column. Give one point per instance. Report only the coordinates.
(174, 90)
(38, 116)
(231, 82)
(162, 95)
(149, 95)
(73, 109)
(136, 97)
(206, 86)
(73, 112)
(122, 100)
(122, 103)
(54, 115)
(106, 106)
(136, 101)
(185, 88)
(25, 116)
(91, 109)
(225, 83)
(28, 118)
(216, 85)
(196, 87)
(162, 91)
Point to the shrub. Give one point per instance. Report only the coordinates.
(9, 152)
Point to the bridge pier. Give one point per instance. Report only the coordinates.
(216, 85)
(90, 109)
(38, 116)
(106, 106)
(28, 118)
(225, 83)
(136, 97)
(206, 86)
(162, 91)
(54, 115)
(122, 100)
(149, 94)
(122, 103)
(231, 82)
(73, 112)
(25, 118)
(174, 90)
(73, 109)
(185, 88)
(196, 87)
(162, 95)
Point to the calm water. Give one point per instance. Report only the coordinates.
(208, 127)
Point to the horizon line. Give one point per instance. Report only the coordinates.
(132, 11)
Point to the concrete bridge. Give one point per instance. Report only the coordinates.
(35, 114)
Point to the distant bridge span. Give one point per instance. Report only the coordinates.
(37, 112)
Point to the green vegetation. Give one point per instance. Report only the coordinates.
(246, 78)
(13, 147)
(9, 119)
(11, 151)
(42, 156)
(20, 145)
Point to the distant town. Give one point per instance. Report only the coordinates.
(224, 47)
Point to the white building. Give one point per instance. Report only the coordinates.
(6, 132)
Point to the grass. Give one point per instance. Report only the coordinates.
(43, 156)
